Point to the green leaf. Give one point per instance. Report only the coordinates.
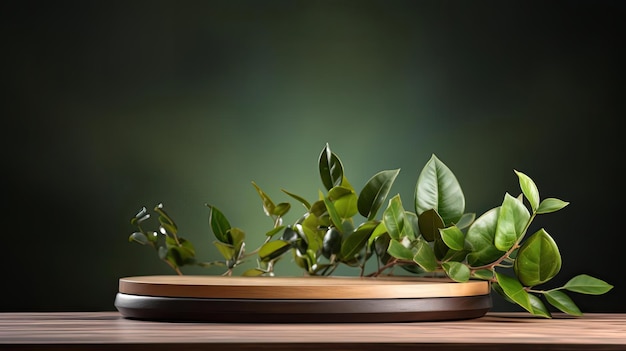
(551, 205)
(512, 221)
(480, 238)
(453, 237)
(484, 274)
(437, 188)
(514, 290)
(273, 249)
(355, 242)
(227, 250)
(331, 244)
(378, 231)
(425, 256)
(563, 302)
(330, 168)
(236, 237)
(538, 259)
(253, 272)
(345, 201)
(180, 253)
(397, 250)
(281, 209)
(138, 237)
(268, 204)
(539, 309)
(429, 223)
(529, 188)
(164, 218)
(396, 222)
(219, 224)
(141, 216)
(375, 192)
(332, 212)
(457, 271)
(585, 284)
(466, 220)
(275, 231)
(302, 200)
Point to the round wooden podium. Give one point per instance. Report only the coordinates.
(299, 299)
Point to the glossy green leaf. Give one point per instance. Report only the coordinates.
(331, 244)
(138, 237)
(429, 223)
(538, 259)
(141, 216)
(275, 231)
(236, 237)
(227, 250)
(529, 188)
(551, 205)
(378, 231)
(512, 221)
(164, 218)
(356, 241)
(330, 168)
(345, 201)
(375, 192)
(514, 290)
(397, 250)
(437, 188)
(219, 224)
(273, 249)
(332, 212)
(425, 256)
(480, 238)
(268, 204)
(281, 209)
(538, 307)
(453, 237)
(466, 220)
(498, 289)
(300, 199)
(457, 271)
(484, 274)
(396, 222)
(181, 252)
(563, 302)
(586, 284)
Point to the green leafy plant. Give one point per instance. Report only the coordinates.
(435, 238)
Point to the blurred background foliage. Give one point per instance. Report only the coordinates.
(115, 105)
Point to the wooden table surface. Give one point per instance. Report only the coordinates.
(495, 331)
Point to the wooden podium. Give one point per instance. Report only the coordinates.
(300, 299)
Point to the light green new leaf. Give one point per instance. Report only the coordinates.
(529, 188)
(539, 309)
(457, 271)
(345, 201)
(268, 204)
(375, 192)
(275, 231)
(585, 284)
(281, 209)
(480, 237)
(330, 168)
(273, 249)
(227, 250)
(538, 259)
(551, 205)
(453, 237)
(397, 250)
(514, 290)
(395, 220)
(425, 256)
(512, 221)
(378, 231)
(563, 302)
(219, 224)
(437, 188)
(332, 212)
(253, 272)
(429, 223)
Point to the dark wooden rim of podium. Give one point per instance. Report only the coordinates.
(171, 309)
(220, 287)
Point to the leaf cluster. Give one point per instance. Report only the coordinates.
(435, 237)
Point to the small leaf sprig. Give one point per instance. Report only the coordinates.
(437, 238)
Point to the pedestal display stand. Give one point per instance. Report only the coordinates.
(300, 299)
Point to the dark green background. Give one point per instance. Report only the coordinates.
(114, 105)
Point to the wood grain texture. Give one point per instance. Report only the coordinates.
(495, 331)
(298, 287)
